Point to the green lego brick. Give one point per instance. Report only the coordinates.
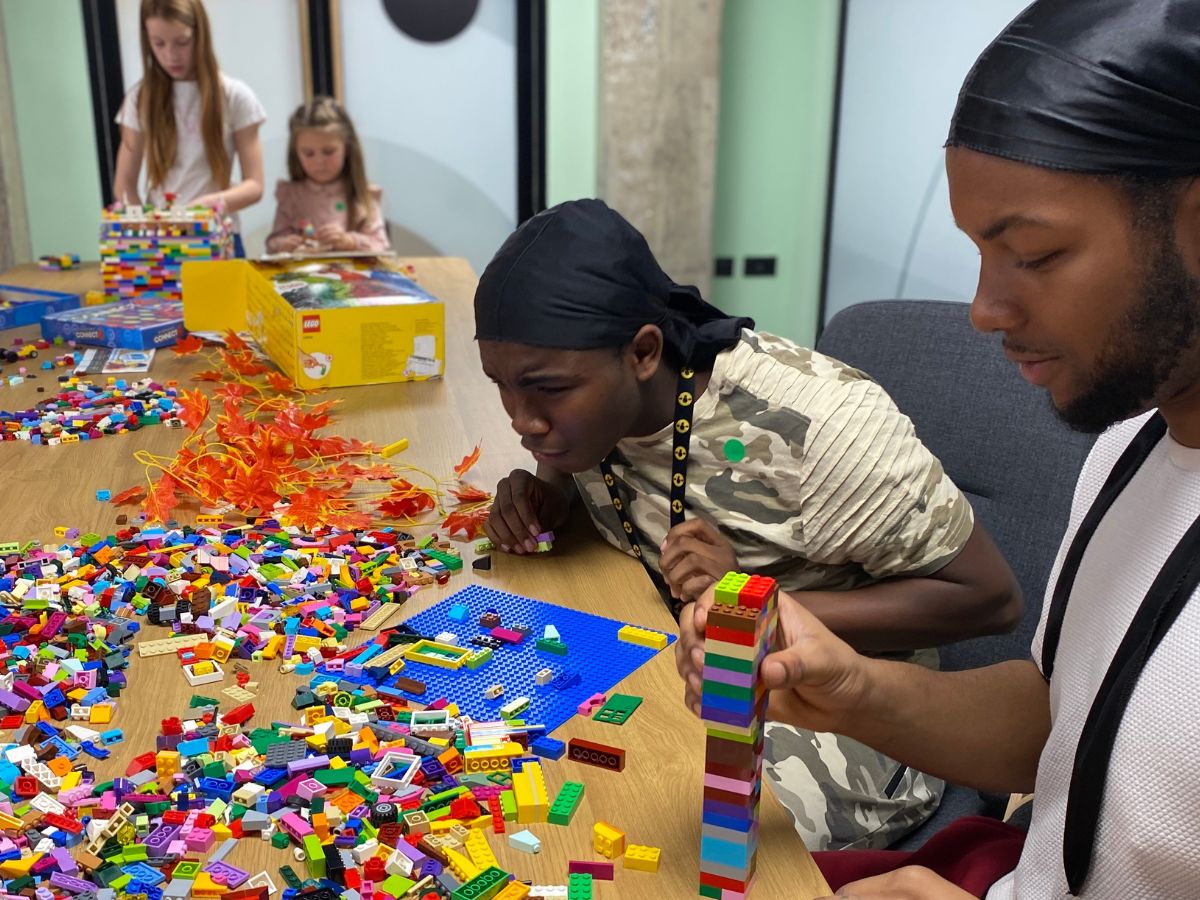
(549, 645)
(452, 562)
(710, 891)
(508, 806)
(484, 886)
(728, 663)
(289, 876)
(395, 885)
(279, 840)
(618, 709)
(579, 886)
(731, 691)
(565, 804)
(335, 777)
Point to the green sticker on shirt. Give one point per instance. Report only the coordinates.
(340, 206)
(735, 450)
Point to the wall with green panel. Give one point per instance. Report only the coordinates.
(778, 74)
(572, 98)
(52, 105)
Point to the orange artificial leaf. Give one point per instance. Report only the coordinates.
(468, 493)
(161, 499)
(467, 461)
(376, 472)
(280, 382)
(209, 375)
(133, 495)
(249, 490)
(469, 524)
(243, 363)
(234, 341)
(405, 500)
(233, 392)
(194, 408)
(189, 344)
(350, 520)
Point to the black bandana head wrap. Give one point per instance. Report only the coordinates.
(1094, 86)
(579, 277)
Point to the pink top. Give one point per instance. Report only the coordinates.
(301, 203)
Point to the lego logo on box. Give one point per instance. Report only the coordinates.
(310, 324)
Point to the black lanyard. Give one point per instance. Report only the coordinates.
(1164, 601)
(685, 397)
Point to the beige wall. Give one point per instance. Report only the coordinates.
(659, 90)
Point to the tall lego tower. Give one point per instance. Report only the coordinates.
(741, 625)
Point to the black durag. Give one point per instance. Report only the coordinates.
(579, 277)
(1094, 86)
(1107, 87)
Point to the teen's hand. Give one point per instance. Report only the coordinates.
(695, 556)
(817, 680)
(908, 883)
(212, 201)
(289, 243)
(335, 237)
(525, 507)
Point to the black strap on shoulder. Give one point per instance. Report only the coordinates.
(1128, 464)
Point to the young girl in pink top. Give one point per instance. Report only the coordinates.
(327, 204)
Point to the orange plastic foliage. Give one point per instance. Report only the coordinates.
(405, 501)
(132, 495)
(467, 462)
(194, 410)
(161, 499)
(469, 524)
(189, 344)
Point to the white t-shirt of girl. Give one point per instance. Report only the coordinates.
(191, 176)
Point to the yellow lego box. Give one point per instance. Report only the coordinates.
(325, 323)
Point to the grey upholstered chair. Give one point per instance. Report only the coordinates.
(999, 440)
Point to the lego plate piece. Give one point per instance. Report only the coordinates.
(596, 658)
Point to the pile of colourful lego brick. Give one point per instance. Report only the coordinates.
(59, 262)
(142, 249)
(83, 411)
(377, 797)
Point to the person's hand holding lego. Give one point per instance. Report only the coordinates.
(816, 680)
(525, 507)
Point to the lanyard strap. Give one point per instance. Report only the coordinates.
(1169, 593)
(685, 398)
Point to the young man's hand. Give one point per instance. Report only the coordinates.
(817, 680)
(694, 556)
(525, 507)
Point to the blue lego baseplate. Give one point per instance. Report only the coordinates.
(593, 652)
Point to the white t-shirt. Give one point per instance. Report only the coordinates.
(191, 176)
(1147, 845)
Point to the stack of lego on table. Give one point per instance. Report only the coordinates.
(740, 627)
(143, 248)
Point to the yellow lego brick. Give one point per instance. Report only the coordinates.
(608, 841)
(444, 656)
(204, 886)
(491, 759)
(480, 851)
(633, 635)
(514, 890)
(462, 868)
(641, 858)
(15, 868)
(101, 714)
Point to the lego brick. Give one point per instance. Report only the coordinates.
(603, 756)
(641, 858)
(618, 709)
(655, 640)
(570, 795)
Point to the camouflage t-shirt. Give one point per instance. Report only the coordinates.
(809, 470)
(804, 464)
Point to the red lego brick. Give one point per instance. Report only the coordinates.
(140, 764)
(239, 714)
(601, 755)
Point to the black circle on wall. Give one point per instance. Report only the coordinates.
(431, 21)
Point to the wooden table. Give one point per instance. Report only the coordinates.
(656, 800)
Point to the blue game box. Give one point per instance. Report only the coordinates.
(26, 306)
(133, 324)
